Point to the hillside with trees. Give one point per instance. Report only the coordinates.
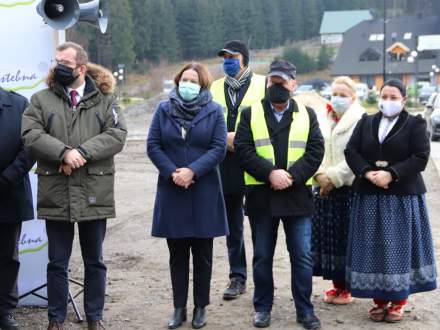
(146, 32)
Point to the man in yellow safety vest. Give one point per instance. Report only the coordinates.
(280, 146)
(239, 88)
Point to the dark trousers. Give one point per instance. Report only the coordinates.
(201, 249)
(9, 266)
(91, 237)
(298, 238)
(235, 240)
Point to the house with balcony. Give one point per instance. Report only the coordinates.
(411, 48)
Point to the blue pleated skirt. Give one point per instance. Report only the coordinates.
(390, 250)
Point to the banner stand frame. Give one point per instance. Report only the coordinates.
(71, 299)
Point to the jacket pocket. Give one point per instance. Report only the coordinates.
(100, 186)
(51, 188)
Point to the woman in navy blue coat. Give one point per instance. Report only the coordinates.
(187, 142)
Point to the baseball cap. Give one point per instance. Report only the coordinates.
(283, 69)
(235, 47)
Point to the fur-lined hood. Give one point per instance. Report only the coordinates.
(102, 78)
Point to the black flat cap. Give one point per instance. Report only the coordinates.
(235, 47)
(283, 69)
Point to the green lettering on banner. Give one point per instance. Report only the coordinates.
(38, 249)
(20, 88)
(16, 4)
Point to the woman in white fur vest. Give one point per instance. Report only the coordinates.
(334, 179)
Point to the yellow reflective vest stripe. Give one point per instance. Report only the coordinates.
(255, 93)
(298, 136)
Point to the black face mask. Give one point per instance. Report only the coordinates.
(64, 75)
(278, 94)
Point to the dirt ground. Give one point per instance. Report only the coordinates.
(139, 288)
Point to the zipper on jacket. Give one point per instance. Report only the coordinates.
(49, 122)
(100, 121)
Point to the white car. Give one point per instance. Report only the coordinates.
(326, 92)
(168, 86)
(303, 89)
(361, 91)
(432, 116)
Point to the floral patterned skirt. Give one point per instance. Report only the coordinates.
(330, 234)
(390, 250)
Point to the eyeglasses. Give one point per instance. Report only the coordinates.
(55, 62)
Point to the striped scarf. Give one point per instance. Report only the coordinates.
(234, 85)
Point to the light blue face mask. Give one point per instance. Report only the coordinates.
(188, 90)
(340, 104)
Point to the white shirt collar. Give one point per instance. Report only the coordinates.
(79, 90)
(385, 127)
(280, 112)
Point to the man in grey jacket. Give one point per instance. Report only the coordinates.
(73, 129)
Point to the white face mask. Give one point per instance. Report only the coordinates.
(390, 109)
(340, 104)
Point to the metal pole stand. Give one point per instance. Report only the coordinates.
(71, 299)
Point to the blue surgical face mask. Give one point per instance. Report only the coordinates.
(188, 90)
(340, 104)
(231, 66)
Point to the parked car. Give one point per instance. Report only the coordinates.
(326, 92)
(425, 92)
(303, 89)
(168, 85)
(362, 91)
(317, 83)
(432, 116)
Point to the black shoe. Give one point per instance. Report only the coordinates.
(309, 321)
(235, 289)
(178, 318)
(262, 319)
(8, 322)
(199, 318)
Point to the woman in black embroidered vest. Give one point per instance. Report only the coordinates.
(390, 250)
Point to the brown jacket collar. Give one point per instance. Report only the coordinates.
(100, 76)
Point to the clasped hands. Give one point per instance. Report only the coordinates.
(183, 177)
(325, 184)
(72, 160)
(379, 178)
(280, 179)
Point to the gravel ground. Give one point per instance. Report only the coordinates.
(139, 289)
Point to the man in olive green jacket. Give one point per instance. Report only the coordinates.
(73, 129)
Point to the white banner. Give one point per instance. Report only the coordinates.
(25, 58)
(29, 46)
(33, 256)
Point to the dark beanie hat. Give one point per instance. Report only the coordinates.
(235, 47)
(393, 82)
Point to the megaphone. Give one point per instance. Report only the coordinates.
(63, 14)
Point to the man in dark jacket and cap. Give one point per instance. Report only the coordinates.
(238, 89)
(15, 201)
(280, 147)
